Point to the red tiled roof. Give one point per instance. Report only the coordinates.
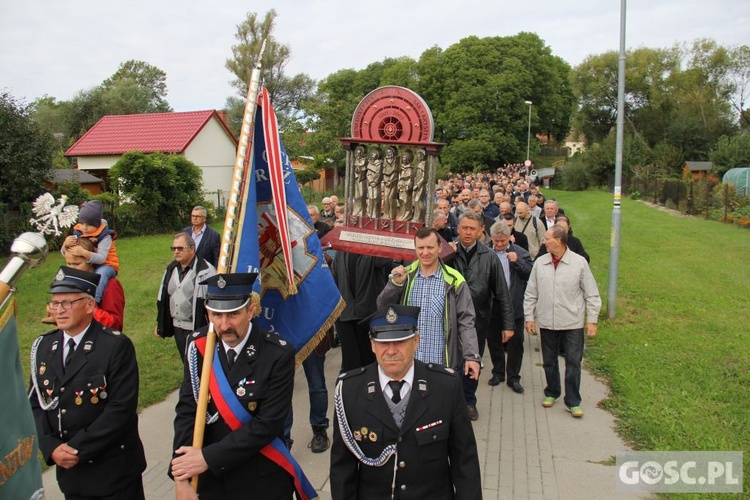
(148, 133)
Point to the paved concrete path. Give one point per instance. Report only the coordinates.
(525, 450)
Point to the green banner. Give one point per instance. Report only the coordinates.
(20, 474)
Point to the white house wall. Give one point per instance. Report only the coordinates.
(97, 162)
(214, 152)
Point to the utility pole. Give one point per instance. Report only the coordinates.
(614, 250)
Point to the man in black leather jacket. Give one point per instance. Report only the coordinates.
(489, 292)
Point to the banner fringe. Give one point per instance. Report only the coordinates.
(308, 348)
(10, 310)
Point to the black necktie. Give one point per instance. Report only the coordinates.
(231, 355)
(396, 388)
(71, 350)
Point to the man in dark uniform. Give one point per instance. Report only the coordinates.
(402, 429)
(255, 368)
(84, 395)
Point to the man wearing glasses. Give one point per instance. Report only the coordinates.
(84, 396)
(180, 302)
(207, 241)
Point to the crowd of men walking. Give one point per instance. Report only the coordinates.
(409, 330)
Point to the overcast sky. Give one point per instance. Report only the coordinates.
(58, 47)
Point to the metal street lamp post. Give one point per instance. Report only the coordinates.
(528, 140)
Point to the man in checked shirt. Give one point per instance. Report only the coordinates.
(446, 321)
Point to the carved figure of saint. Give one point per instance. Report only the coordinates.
(374, 176)
(390, 180)
(405, 183)
(360, 180)
(418, 192)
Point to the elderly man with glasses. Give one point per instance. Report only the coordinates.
(207, 241)
(84, 396)
(180, 302)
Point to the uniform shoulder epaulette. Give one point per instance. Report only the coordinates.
(440, 368)
(277, 340)
(110, 331)
(352, 373)
(198, 333)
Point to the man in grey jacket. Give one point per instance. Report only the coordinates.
(446, 327)
(562, 298)
(180, 308)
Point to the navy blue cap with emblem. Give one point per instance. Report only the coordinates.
(69, 280)
(394, 322)
(228, 292)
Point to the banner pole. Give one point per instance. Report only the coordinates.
(229, 236)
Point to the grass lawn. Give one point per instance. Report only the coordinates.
(677, 353)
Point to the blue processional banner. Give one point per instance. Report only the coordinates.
(303, 317)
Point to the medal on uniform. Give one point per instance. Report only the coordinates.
(42, 368)
(252, 405)
(79, 399)
(357, 435)
(363, 431)
(373, 437)
(46, 382)
(240, 391)
(102, 392)
(49, 392)
(94, 398)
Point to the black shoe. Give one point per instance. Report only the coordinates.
(473, 413)
(320, 441)
(496, 379)
(516, 386)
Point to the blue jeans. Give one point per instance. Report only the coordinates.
(105, 272)
(316, 381)
(573, 341)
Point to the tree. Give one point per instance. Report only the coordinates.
(477, 88)
(136, 87)
(731, 152)
(286, 93)
(25, 155)
(648, 99)
(161, 190)
(139, 85)
(739, 74)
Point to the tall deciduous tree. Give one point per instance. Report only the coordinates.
(139, 86)
(25, 155)
(477, 90)
(286, 92)
(739, 75)
(136, 87)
